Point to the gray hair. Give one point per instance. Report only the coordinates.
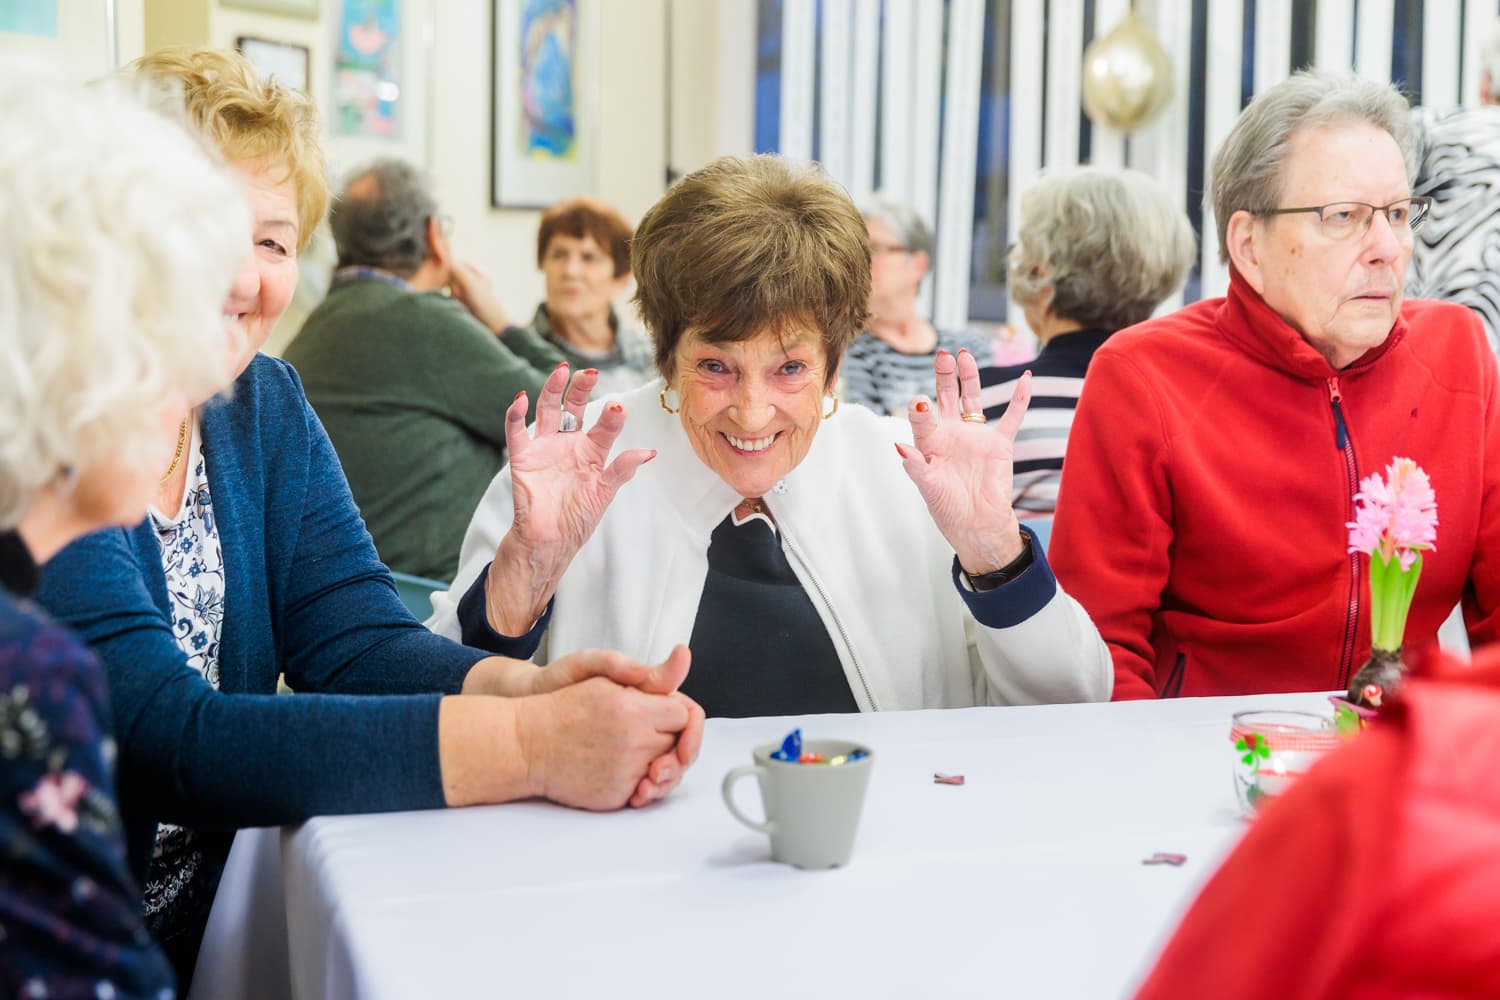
(123, 239)
(1249, 169)
(386, 229)
(1100, 247)
(901, 219)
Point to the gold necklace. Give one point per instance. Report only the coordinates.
(182, 430)
(750, 506)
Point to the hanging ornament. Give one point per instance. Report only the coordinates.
(1127, 79)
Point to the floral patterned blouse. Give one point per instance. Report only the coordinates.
(70, 915)
(178, 893)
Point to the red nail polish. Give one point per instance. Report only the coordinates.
(616, 408)
(898, 449)
(922, 406)
(589, 371)
(519, 396)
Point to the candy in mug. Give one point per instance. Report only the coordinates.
(812, 806)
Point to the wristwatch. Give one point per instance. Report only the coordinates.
(1006, 573)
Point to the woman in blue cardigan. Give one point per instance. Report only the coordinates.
(123, 238)
(254, 563)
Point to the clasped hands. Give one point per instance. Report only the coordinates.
(597, 729)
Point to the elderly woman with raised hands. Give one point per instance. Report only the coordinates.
(805, 552)
(124, 238)
(1098, 250)
(254, 563)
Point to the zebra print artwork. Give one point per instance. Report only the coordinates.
(1457, 253)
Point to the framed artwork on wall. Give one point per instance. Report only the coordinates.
(291, 64)
(545, 101)
(369, 98)
(296, 8)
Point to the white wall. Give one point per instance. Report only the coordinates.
(455, 77)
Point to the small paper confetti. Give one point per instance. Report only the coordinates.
(791, 747)
(1164, 858)
(947, 779)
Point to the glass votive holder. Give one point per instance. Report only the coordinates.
(1272, 749)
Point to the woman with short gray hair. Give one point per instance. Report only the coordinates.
(892, 360)
(1098, 250)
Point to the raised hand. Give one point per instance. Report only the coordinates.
(963, 468)
(471, 289)
(562, 483)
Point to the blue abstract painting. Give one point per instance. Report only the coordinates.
(549, 45)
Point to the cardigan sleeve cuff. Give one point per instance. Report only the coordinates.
(475, 630)
(1012, 602)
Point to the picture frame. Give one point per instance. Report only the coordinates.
(286, 61)
(544, 101)
(309, 9)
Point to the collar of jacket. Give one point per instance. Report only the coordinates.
(18, 570)
(1255, 328)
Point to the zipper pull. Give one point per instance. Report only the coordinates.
(1340, 433)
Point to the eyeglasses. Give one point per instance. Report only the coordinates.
(1344, 220)
(888, 248)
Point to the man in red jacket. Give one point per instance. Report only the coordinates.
(1376, 876)
(1216, 451)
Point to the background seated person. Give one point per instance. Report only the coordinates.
(1097, 250)
(406, 379)
(1457, 253)
(891, 361)
(1216, 451)
(583, 251)
(772, 530)
(1375, 876)
(254, 563)
(124, 239)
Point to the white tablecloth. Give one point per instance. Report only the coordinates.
(1026, 882)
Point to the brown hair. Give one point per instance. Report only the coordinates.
(580, 217)
(248, 119)
(750, 245)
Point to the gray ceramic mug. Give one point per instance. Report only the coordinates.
(812, 810)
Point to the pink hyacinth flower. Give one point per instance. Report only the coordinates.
(54, 801)
(1397, 515)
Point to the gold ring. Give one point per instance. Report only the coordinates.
(974, 418)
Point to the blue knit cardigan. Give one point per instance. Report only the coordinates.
(307, 596)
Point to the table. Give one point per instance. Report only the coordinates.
(1027, 881)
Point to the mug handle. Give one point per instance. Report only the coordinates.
(769, 826)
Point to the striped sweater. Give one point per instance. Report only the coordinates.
(1056, 381)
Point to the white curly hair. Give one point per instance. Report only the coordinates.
(123, 238)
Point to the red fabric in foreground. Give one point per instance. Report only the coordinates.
(1376, 876)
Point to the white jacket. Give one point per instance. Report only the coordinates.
(860, 540)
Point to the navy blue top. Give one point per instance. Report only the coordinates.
(307, 596)
(70, 914)
(759, 647)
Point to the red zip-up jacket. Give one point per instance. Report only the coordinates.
(1210, 472)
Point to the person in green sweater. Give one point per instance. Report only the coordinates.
(410, 362)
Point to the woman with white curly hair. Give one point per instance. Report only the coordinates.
(122, 241)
